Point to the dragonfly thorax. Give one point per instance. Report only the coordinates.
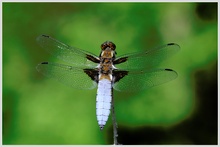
(107, 57)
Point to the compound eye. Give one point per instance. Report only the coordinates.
(109, 44)
(103, 46)
(112, 45)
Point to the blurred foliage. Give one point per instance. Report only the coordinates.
(37, 110)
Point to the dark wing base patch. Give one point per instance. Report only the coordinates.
(92, 73)
(118, 74)
(91, 58)
(120, 60)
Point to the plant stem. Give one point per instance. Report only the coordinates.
(115, 126)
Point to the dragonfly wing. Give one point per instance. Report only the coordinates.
(147, 59)
(68, 75)
(140, 80)
(73, 55)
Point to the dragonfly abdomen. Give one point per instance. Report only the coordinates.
(103, 101)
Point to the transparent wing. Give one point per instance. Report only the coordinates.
(140, 80)
(68, 75)
(147, 59)
(78, 57)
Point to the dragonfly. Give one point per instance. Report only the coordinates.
(126, 73)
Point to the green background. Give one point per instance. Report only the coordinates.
(38, 110)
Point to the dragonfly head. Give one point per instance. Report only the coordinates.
(108, 50)
(108, 44)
